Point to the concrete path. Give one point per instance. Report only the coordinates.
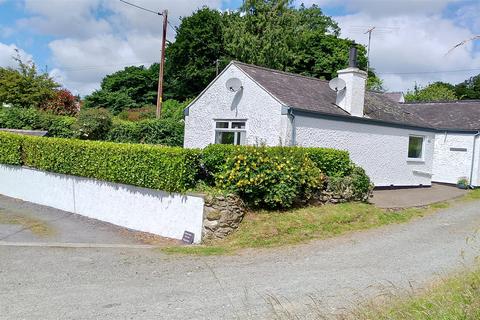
(415, 197)
(319, 277)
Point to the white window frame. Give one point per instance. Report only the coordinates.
(229, 129)
(422, 158)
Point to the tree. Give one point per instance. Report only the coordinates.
(132, 87)
(63, 103)
(469, 89)
(24, 87)
(191, 59)
(437, 91)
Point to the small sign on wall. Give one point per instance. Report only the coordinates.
(459, 149)
(188, 237)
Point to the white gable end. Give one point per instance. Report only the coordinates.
(262, 113)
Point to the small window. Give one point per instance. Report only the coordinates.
(415, 147)
(230, 132)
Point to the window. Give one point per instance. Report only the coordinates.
(230, 132)
(415, 148)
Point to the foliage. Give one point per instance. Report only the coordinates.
(162, 131)
(270, 177)
(191, 59)
(331, 162)
(374, 83)
(93, 124)
(32, 119)
(138, 114)
(132, 87)
(469, 89)
(24, 87)
(63, 103)
(437, 91)
(355, 186)
(10, 148)
(456, 297)
(165, 168)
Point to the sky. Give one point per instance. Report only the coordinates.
(80, 41)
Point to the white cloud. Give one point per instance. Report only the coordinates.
(135, 38)
(382, 8)
(7, 52)
(64, 18)
(414, 44)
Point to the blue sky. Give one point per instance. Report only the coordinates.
(79, 41)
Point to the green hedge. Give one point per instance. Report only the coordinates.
(167, 132)
(32, 119)
(11, 148)
(330, 161)
(165, 168)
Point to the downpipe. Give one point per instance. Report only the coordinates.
(473, 159)
(293, 140)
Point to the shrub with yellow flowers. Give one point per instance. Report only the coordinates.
(270, 177)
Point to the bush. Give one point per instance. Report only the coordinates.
(93, 124)
(332, 162)
(162, 131)
(354, 187)
(138, 114)
(270, 177)
(124, 131)
(164, 168)
(32, 119)
(10, 148)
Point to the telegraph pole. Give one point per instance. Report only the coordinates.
(162, 64)
(164, 14)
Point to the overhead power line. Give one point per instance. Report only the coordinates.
(164, 14)
(430, 72)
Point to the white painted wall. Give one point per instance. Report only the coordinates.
(147, 210)
(450, 165)
(265, 124)
(381, 150)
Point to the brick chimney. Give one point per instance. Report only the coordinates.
(352, 98)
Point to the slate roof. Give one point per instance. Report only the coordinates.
(462, 114)
(314, 95)
(394, 96)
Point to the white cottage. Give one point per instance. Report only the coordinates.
(270, 107)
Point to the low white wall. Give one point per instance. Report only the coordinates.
(381, 150)
(158, 212)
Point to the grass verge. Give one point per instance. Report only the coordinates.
(36, 226)
(457, 297)
(266, 229)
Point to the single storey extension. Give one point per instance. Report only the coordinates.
(251, 105)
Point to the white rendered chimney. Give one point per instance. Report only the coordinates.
(352, 98)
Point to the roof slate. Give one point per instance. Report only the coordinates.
(461, 114)
(314, 95)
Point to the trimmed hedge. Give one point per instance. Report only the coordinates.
(165, 168)
(331, 162)
(32, 119)
(11, 148)
(166, 132)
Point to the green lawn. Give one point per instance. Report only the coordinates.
(265, 229)
(456, 298)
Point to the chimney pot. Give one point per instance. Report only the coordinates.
(353, 59)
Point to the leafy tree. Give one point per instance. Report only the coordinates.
(63, 103)
(469, 89)
(374, 83)
(24, 87)
(132, 87)
(191, 59)
(437, 91)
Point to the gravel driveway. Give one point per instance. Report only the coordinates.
(122, 283)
